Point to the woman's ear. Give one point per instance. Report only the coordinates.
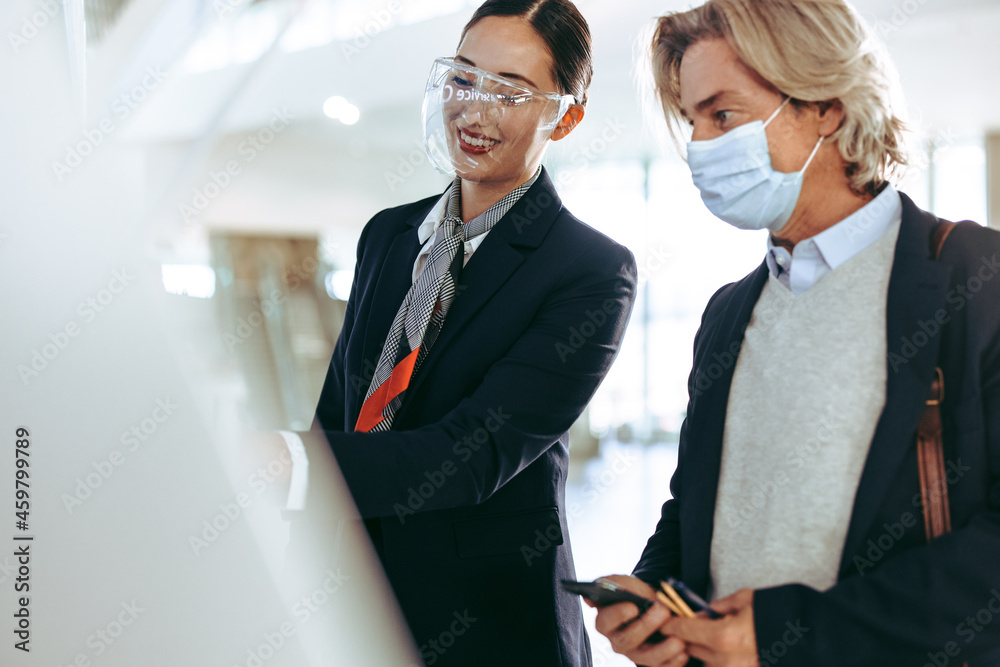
(568, 122)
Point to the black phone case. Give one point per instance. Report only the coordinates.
(605, 593)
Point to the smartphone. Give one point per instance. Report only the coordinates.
(694, 600)
(604, 593)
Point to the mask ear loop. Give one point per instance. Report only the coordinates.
(812, 155)
(815, 148)
(776, 111)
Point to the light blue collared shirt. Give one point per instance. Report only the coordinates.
(817, 256)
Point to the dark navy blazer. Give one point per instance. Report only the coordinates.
(464, 497)
(898, 600)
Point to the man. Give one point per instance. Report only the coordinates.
(797, 503)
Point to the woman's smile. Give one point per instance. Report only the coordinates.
(475, 143)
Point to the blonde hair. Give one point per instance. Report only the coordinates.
(814, 51)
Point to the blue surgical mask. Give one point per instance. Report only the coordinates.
(736, 180)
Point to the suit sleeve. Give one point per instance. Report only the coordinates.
(330, 408)
(936, 604)
(662, 556)
(526, 401)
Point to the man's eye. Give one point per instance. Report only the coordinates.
(723, 116)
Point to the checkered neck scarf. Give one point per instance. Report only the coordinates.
(425, 306)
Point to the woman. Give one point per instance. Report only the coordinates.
(454, 381)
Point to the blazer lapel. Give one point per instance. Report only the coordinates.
(918, 286)
(394, 280)
(710, 400)
(494, 262)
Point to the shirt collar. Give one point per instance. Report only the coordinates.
(860, 229)
(434, 217)
(844, 240)
(429, 226)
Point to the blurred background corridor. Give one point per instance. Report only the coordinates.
(253, 139)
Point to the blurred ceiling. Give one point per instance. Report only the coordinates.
(947, 53)
(230, 64)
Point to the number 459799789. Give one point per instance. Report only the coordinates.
(21, 494)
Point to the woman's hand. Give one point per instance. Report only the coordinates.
(630, 634)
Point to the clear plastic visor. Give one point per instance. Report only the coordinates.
(474, 119)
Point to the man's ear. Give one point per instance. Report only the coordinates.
(568, 122)
(830, 116)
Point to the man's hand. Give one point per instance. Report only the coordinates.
(727, 642)
(629, 634)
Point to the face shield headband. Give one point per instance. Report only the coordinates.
(475, 121)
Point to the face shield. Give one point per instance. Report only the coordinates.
(479, 125)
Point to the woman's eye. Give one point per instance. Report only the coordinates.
(513, 100)
(459, 81)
